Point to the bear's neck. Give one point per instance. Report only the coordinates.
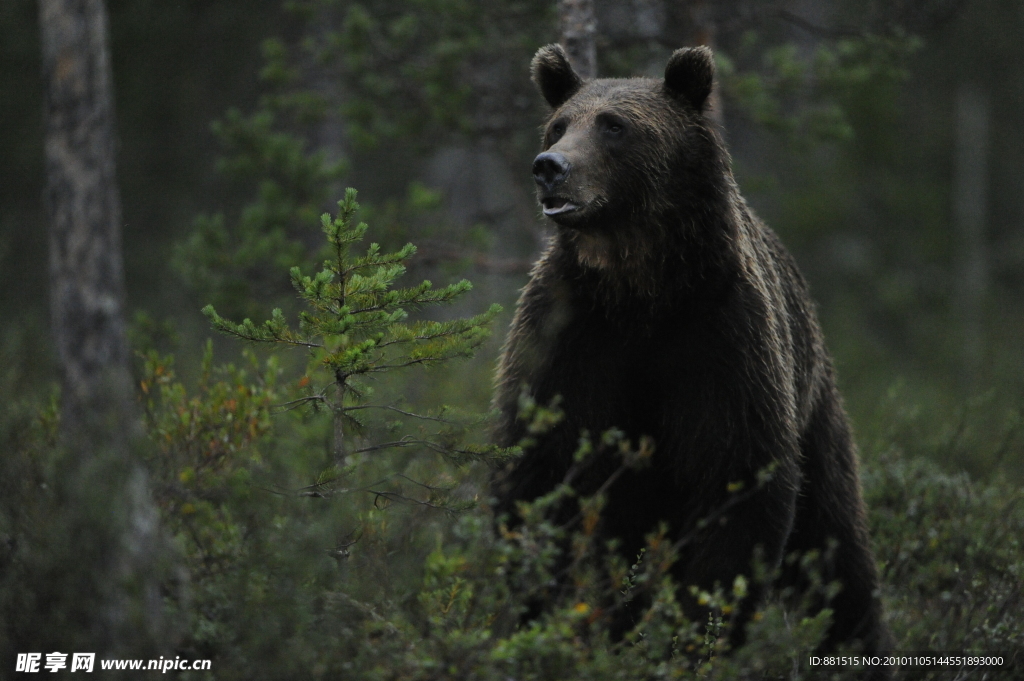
(641, 262)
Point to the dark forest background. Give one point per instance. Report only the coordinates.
(882, 141)
(868, 209)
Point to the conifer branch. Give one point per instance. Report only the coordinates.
(293, 404)
(355, 324)
(423, 417)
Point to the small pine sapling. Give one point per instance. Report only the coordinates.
(355, 326)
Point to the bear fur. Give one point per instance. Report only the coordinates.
(665, 308)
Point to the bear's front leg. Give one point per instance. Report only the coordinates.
(740, 528)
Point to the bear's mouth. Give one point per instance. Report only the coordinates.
(556, 205)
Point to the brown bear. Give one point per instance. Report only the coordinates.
(665, 308)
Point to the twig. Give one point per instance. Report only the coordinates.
(287, 406)
(400, 411)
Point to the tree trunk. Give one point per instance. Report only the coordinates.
(970, 185)
(578, 26)
(106, 488)
(86, 278)
(703, 20)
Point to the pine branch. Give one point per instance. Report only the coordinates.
(422, 417)
(355, 324)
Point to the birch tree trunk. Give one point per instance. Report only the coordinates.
(86, 278)
(704, 29)
(108, 491)
(578, 27)
(970, 189)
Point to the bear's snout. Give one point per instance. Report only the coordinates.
(550, 170)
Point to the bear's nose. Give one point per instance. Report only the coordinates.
(550, 170)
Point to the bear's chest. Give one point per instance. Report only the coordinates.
(626, 371)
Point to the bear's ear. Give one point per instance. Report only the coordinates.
(554, 76)
(689, 74)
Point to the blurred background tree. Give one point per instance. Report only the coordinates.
(98, 422)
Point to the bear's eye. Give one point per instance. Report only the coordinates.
(557, 130)
(612, 126)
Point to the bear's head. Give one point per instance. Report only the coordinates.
(624, 151)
